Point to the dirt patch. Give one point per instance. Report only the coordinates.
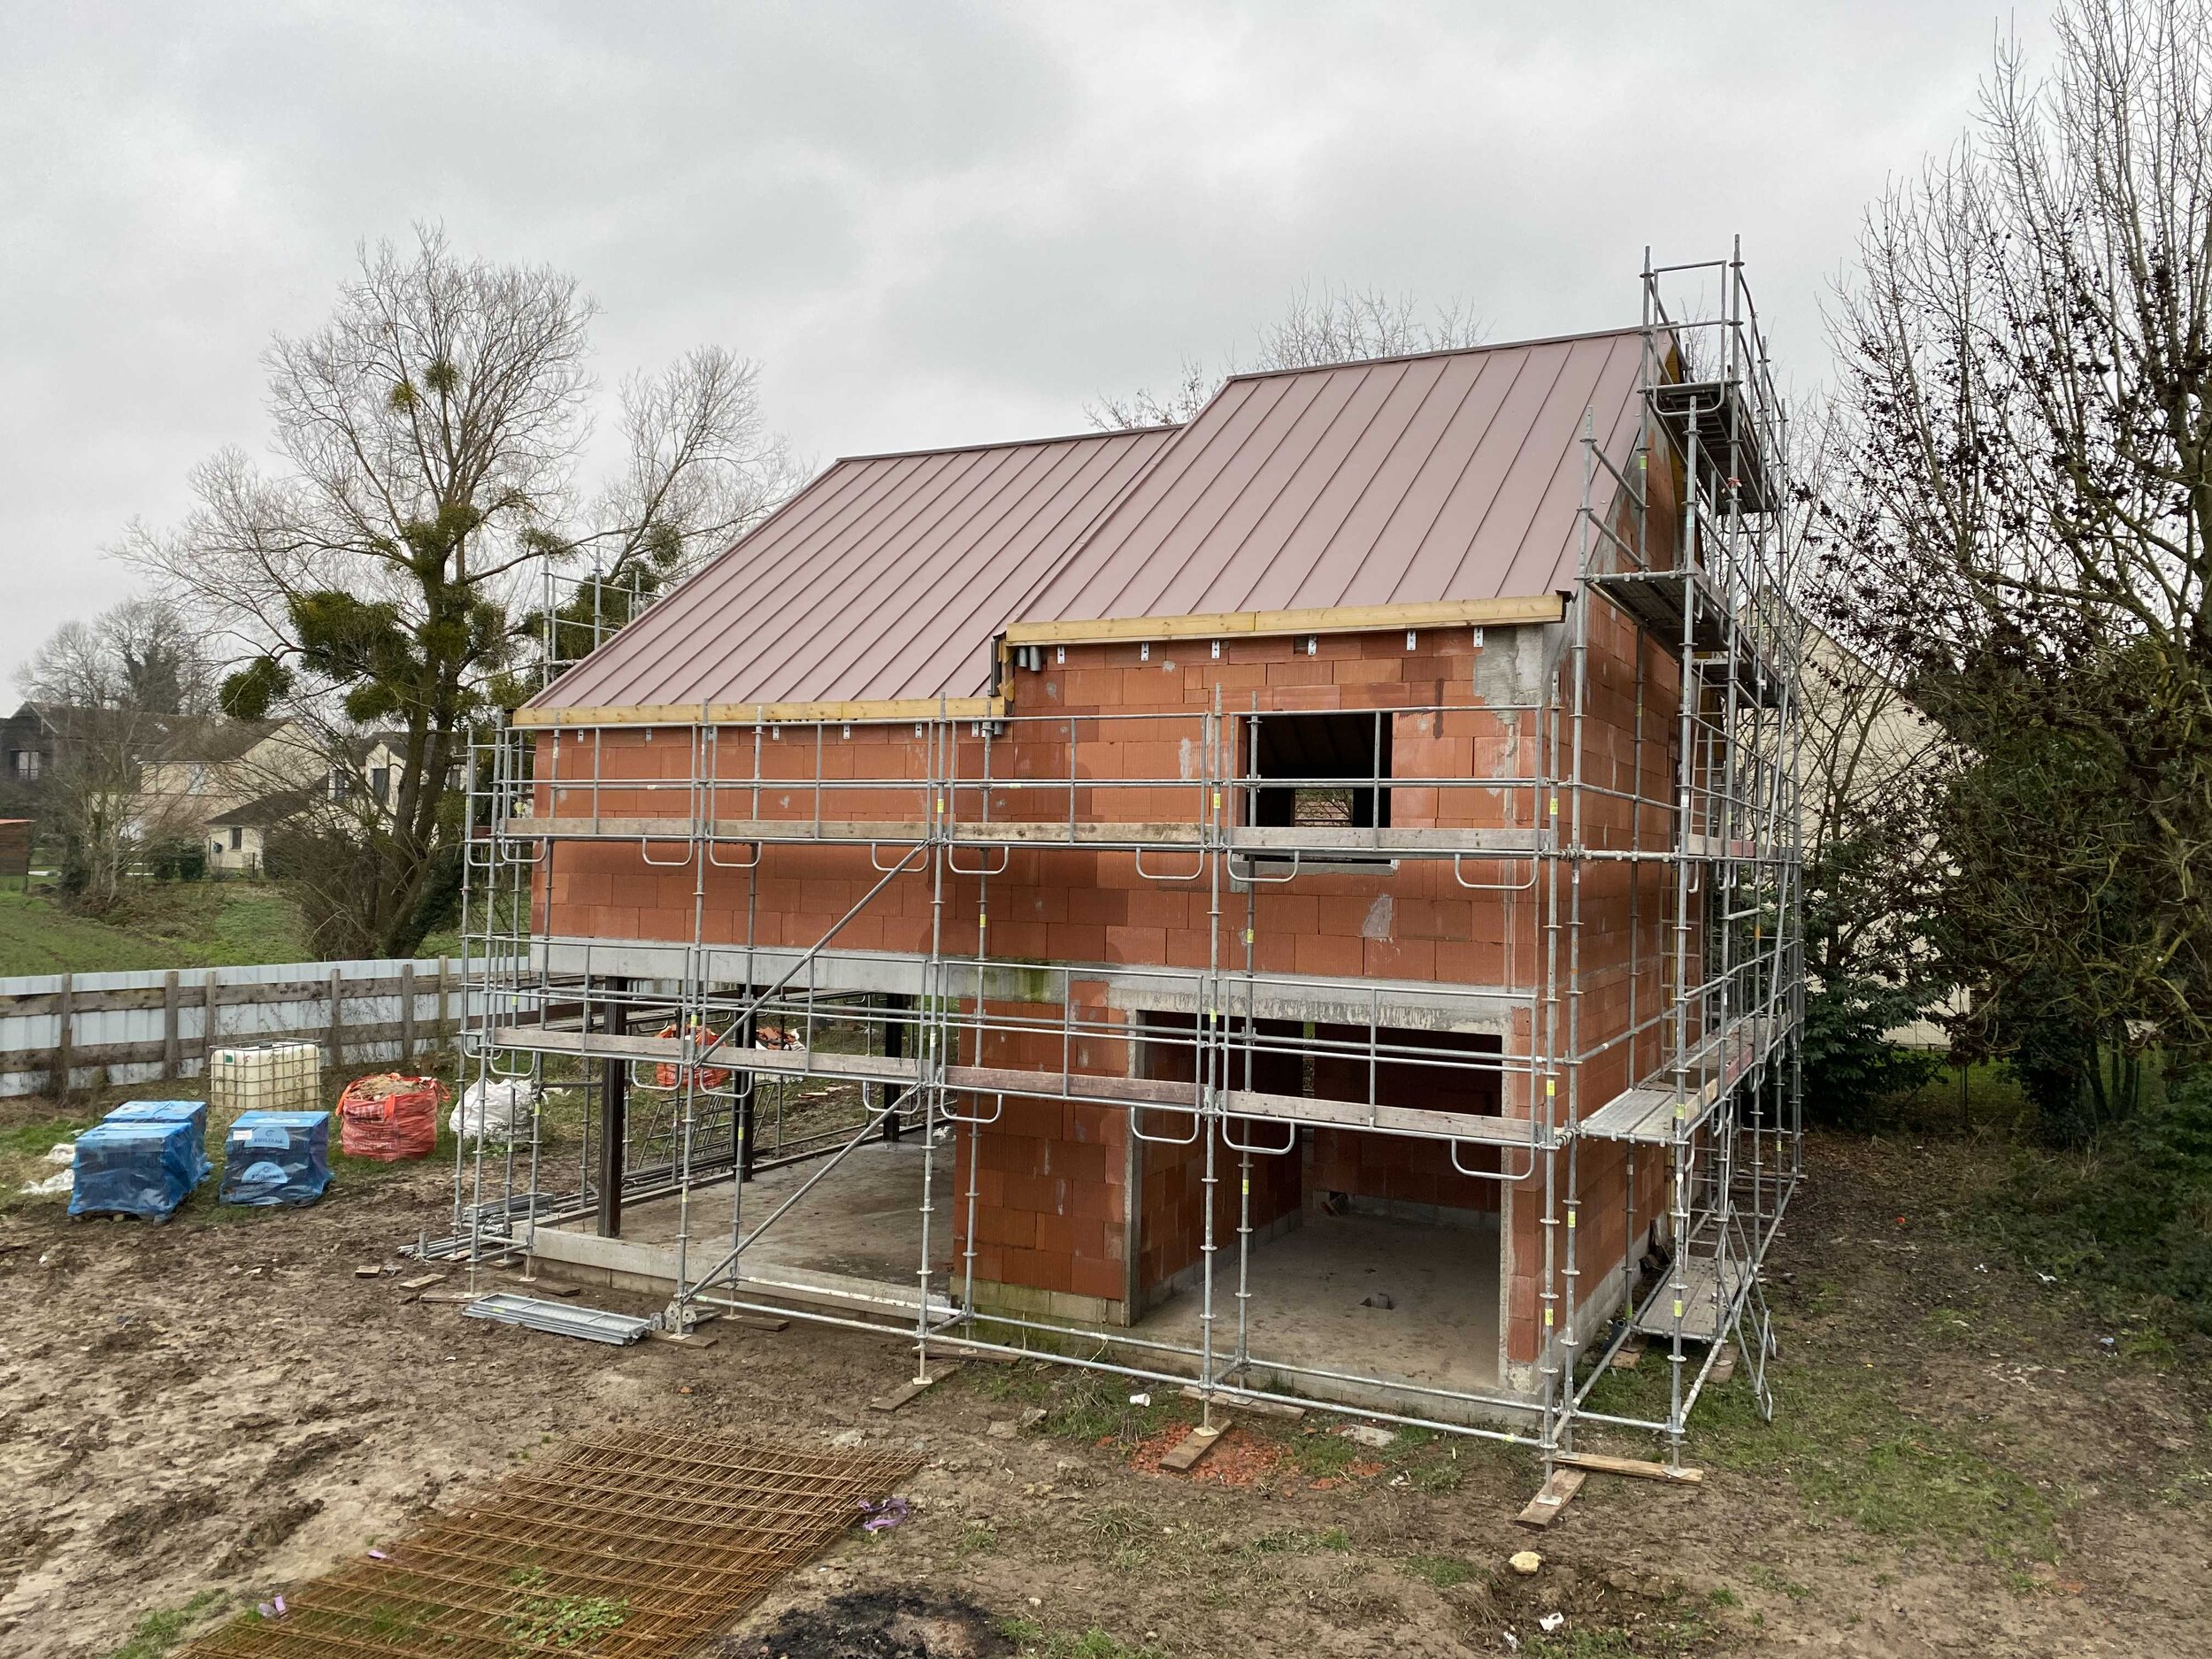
(266, 1533)
(1239, 1458)
(1960, 1463)
(128, 1532)
(876, 1624)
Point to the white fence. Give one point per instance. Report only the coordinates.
(96, 1029)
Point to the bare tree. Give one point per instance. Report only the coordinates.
(389, 569)
(111, 690)
(1318, 327)
(2029, 362)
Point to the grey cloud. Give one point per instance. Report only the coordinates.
(932, 224)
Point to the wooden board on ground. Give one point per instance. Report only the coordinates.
(1636, 1468)
(688, 1339)
(758, 1321)
(908, 1391)
(1193, 1447)
(453, 1296)
(548, 1286)
(1725, 1367)
(1553, 1496)
(1625, 1358)
(988, 1357)
(422, 1281)
(1238, 1402)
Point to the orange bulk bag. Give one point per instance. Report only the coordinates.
(388, 1117)
(668, 1076)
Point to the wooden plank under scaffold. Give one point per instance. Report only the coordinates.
(1554, 1495)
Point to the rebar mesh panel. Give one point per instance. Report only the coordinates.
(639, 1543)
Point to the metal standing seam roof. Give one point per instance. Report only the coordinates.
(886, 577)
(1453, 475)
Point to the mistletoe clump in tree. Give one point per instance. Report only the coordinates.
(387, 574)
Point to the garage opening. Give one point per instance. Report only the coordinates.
(1347, 1247)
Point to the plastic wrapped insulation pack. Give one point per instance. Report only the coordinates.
(271, 1157)
(135, 1169)
(170, 1111)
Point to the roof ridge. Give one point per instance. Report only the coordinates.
(1439, 351)
(1013, 443)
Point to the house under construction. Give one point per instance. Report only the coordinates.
(1302, 903)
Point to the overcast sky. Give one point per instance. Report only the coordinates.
(931, 223)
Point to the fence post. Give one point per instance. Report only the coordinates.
(445, 1031)
(337, 1021)
(210, 1024)
(406, 1016)
(61, 1037)
(171, 1049)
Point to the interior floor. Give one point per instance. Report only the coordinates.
(862, 1221)
(1360, 1295)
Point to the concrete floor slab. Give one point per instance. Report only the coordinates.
(1308, 1287)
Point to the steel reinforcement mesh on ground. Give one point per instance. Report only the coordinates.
(639, 1543)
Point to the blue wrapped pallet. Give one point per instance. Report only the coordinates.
(135, 1169)
(276, 1158)
(170, 1111)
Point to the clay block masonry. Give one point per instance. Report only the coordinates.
(1300, 902)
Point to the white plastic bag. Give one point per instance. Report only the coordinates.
(487, 1110)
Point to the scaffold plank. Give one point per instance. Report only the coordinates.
(1688, 1298)
(1642, 1115)
(1418, 842)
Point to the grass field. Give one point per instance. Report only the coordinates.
(175, 925)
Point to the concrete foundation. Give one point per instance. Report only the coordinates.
(850, 1247)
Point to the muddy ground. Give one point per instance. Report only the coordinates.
(194, 1414)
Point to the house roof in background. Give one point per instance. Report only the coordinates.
(1443, 477)
(268, 809)
(211, 741)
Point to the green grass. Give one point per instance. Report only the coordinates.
(157, 1632)
(1443, 1571)
(164, 924)
(1842, 1438)
(565, 1621)
(1033, 1639)
(1096, 1410)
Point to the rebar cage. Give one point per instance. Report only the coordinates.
(746, 1052)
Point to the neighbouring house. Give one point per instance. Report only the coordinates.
(238, 839)
(229, 783)
(1307, 894)
(29, 739)
(205, 767)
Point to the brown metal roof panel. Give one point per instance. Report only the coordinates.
(681, 642)
(1600, 390)
(1257, 571)
(1443, 476)
(1414, 515)
(892, 561)
(1500, 487)
(1339, 550)
(1119, 571)
(884, 578)
(960, 586)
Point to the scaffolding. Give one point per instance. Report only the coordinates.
(701, 1062)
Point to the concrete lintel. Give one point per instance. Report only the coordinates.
(1415, 1005)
